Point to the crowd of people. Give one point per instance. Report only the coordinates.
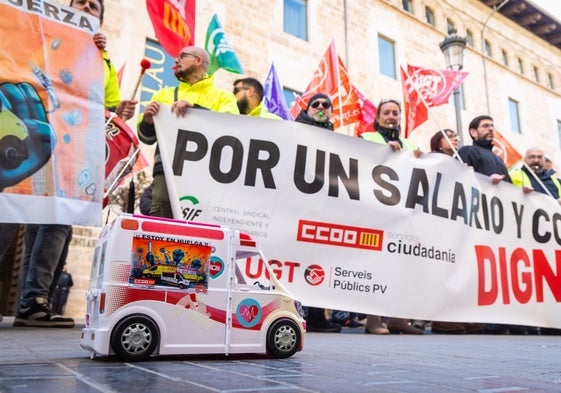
(46, 246)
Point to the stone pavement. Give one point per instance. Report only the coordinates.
(51, 360)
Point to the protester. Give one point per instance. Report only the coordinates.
(195, 89)
(447, 142)
(61, 291)
(387, 131)
(548, 163)
(481, 157)
(145, 203)
(440, 144)
(46, 245)
(249, 95)
(318, 113)
(535, 176)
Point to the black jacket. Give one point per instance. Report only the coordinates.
(481, 157)
(304, 118)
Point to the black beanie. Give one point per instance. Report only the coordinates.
(316, 96)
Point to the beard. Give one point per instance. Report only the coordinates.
(243, 106)
(183, 74)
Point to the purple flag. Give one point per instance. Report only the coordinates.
(273, 97)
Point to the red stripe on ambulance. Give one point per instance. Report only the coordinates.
(182, 230)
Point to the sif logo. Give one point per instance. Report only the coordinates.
(340, 235)
(188, 207)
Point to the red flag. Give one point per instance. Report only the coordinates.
(435, 86)
(368, 114)
(416, 111)
(331, 78)
(505, 150)
(120, 144)
(173, 22)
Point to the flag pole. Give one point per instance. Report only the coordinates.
(338, 84)
(125, 166)
(537, 179)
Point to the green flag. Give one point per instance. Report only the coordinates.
(221, 52)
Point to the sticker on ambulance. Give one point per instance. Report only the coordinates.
(168, 262)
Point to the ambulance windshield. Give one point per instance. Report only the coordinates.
(251, 270)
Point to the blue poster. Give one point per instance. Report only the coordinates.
(159, 75)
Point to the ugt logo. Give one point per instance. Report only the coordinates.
(314, 275)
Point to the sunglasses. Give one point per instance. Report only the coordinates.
(324, 104)
(386, 100)
(237, 89)
(183, 55)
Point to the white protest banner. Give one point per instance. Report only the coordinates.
(348, 224)
(52, 116)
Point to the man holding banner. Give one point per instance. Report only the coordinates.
(534, 176)
(249, 94)
(196, 89)
(480, 155)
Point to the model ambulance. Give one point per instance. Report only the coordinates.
(170, 287)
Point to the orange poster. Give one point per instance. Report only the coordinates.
(51, 114)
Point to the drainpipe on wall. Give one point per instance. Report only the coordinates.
(483, 55)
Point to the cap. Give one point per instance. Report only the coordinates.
(319, 95)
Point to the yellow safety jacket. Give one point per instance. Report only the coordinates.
(261, 111)
(202, 93)
(379, 138)
(520, 178)
(112, 93)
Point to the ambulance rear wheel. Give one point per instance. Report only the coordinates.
(135, 338)
(283, 338)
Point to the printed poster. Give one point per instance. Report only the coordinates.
(52, 116)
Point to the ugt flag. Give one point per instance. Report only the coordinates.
(221, 52)
(415, 108)
(173, 22)
(435, 86)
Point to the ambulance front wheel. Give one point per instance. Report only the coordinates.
(283, 338)
(135, 338)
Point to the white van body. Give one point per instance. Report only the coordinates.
(172, 287)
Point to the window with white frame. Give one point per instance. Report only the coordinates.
(505, 57)
(407, 5)
(290, 96)
(488, 50)
(469, 38)
(386, 57)
(429, 14)
(514, 115)
(536, 74)
(296, 18)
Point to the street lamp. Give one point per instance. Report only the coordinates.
(453, 48)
